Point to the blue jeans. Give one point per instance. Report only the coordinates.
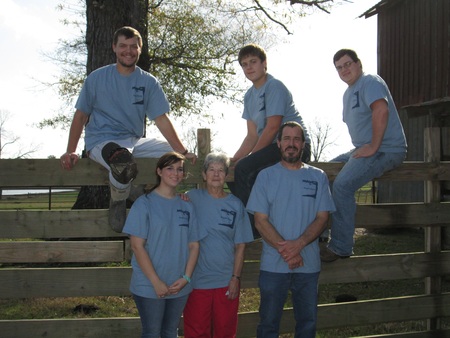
(274, 289)
(160, 317)
(355, 173)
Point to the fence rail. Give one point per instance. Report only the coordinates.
(28, 266)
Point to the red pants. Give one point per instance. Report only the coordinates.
(209, 313)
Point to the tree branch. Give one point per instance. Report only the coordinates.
(316, 3)
(261, 8)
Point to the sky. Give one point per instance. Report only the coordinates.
(32, 28)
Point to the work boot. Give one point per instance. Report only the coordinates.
(121, 162)
(117, 214)
(328, 256)
(118, 207)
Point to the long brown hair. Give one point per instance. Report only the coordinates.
(164, 161)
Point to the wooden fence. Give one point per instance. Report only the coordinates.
(104, 245)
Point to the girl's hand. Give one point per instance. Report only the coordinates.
(161, 289)
(177, 286)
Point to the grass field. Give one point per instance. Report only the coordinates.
(55, 201)
(367, 242)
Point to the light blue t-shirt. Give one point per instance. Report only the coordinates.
(358, 115)
(117, 104)
(291, 199)
(168, 226)
(227, 224)
(271, 99)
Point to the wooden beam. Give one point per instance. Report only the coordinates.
(61, 251)
(329, 316)
(48, 173)
(94, 223)
(96, 281)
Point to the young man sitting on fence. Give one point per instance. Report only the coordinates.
(380, 145)
(112, 107)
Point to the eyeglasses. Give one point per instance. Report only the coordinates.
(344, 66)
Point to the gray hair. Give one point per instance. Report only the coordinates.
(216, 158)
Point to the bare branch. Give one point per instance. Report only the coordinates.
(12, 141)
(27, 153)
(261, 8)
(317, 3)
(321, 135)
(7, 139)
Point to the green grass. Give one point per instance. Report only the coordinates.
(54, 308)
(58, 201)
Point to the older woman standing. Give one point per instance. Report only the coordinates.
(212, 307)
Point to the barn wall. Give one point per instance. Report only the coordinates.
(414, 50)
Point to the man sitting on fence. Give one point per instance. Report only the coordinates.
(380, 145)
(113, 105)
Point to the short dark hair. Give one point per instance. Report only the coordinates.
(128, 32)
(342, 52)
(253, 50)
(291, 124)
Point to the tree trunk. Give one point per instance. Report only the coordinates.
(103, 18)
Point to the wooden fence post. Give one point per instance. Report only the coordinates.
(432, 194)
(204, 147)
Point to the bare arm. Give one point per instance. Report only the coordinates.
(146, 265)
(271, 236)
(233, 285)
(289, 249)
(269, 133)
(267, 231)
(166, 128)
(70, 158)
(248, 144)
(380, 116)
(194, 248)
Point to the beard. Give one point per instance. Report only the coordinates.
(124, 62)
(126, 65)
(291, 155)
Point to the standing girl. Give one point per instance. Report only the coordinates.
(164, 238)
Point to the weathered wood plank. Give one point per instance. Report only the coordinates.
(385, 267)
(360, 313)
(369, 268)
(418, 334)
(61, 251)
(383, 310)
(402, 215)
(94, 223)
(71, 328)
(47, 224)
(80, 282)
(64, 282)
(253, 250)
(48, 173)
(329, 316)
